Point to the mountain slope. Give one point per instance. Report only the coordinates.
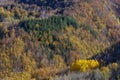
(40, 38)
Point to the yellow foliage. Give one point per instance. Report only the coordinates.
(5, 65)
(70, 29)
(17, 47)
(113, 66)
(45, 72)
(84, 65)
(29, 63)
(50, 70)
(19, 76)
(59, 62)
(2, 10)
(105, 69)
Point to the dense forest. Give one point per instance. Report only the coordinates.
(59, 40)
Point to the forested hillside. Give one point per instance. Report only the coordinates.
(59, 40)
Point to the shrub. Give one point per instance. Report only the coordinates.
(84, 65)
(92, 31)
(19, 76)
(105, 69)
(113, 66)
